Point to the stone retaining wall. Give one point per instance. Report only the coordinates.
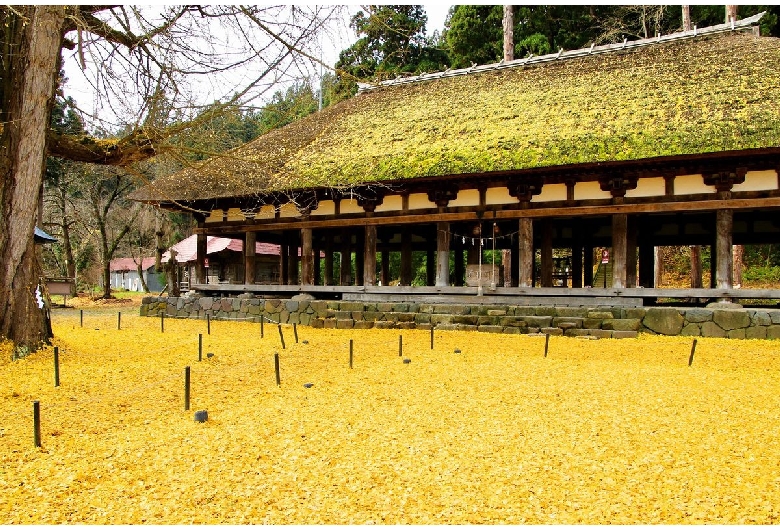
(717, 320)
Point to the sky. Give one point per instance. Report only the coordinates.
(342, 37)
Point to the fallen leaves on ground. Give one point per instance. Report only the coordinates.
(607, 431)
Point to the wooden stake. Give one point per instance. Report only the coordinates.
(37, 423)
(281, 335)
(276, 368)
(350, 354)
(200, 347)
(546, 343)
(119, 320)
(187, 388)
(162, 322)
(295, 332)
(81, 317)
(431, 337)
(693, 350)
(56, 366)
(400, 345)
(208, 324)
(262, 321)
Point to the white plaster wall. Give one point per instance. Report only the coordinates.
(466, 198)
(551, 192)
(690, 184)
(266, 212)
(391, 203)
(584, 191)
(289, 210)
(758, 181)
(350, 206)
(418, 201)
(214, 217)
(649, 187)
(234, 214)
(499, 196)
(325, 208)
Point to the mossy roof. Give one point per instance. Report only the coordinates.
(710, 94)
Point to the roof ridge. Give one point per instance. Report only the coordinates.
(562, 55)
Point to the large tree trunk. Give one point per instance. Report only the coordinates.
(31, 36)
(509, 33)
(686, 18)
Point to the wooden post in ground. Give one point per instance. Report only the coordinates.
(526, 251)
(307, 257)
(249, 257)
(369, 257)
(619, 249)
(200, 250)
(442, 254)
(724, 222)
(547, 251)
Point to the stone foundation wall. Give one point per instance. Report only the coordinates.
(717, 320)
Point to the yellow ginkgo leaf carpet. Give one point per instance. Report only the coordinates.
(480, 429)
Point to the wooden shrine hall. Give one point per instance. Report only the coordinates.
(673, 140)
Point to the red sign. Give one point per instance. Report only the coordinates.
(206, 263)
(605, 256)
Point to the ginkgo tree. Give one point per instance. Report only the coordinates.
(143, 63)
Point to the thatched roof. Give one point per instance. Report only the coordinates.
(708, 94)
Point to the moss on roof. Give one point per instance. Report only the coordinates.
(711, 94)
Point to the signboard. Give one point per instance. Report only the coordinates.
(605, 256)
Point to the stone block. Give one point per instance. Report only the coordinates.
(575, 322)
(451, 309)
(773, 332)
(423, 327)
(512, 330)
(284, 317)
(271, 306)
(698, 315)
(373, 315)
(736, 333)
(556, 332)
(755, 332)
(291, 305)
(691, 330)
(293, 318)
(774, 316)
(422, 318)
(334, 305)
(406, 317)
(573, 312)
(319, 306)
(414, 308)
(451, 327)
(600, 315)
(490, 329)
(634, 312)
(345, 323)
(663, 320)
(351, 306)
(304, 319)
(711, 329)
(330, 323)
(515, 322)
(144, 311)
(525, 311)
(487, 321)
(464, 327)
(592, 323)
(437, 320)
(357, 315)
(470, 320)
(330, 313)
(544, 311)
(400, 308)
(760, 318)
(620, 334)
(342, 315)
(364, 324)
(622, 324)
(576, 332)
(426, 308)
(384, 324)
(405, 325)
(729, 319)
(538, 321)
(496, 312)
(601, 333)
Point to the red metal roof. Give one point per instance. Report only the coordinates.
(129, 264)
(187, 250)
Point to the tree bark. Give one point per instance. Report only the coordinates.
(686, 18)
(738, 253)
(696, 274)
(509, 36)
(26, 95)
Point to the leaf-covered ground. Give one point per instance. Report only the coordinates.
(600, 431)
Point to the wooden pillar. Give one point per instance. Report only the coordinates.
(360, 258)
(442, 254)
(526, 253)
(249, 257)
(345, 268)
(724, 223)
(619, 249)
(369, 257)
(696, 274)
(631, 252)
(406, 257)
(430, 266)
(547, 261)
(307, 257)
(200, 250)
(587, 264)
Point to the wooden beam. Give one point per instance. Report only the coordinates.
(442, 254)
(307, 257)
(619, 250)
(507, 212)
(724, 222)
(200, 251)
(249, 257)
(526, 252)
(369, 257)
